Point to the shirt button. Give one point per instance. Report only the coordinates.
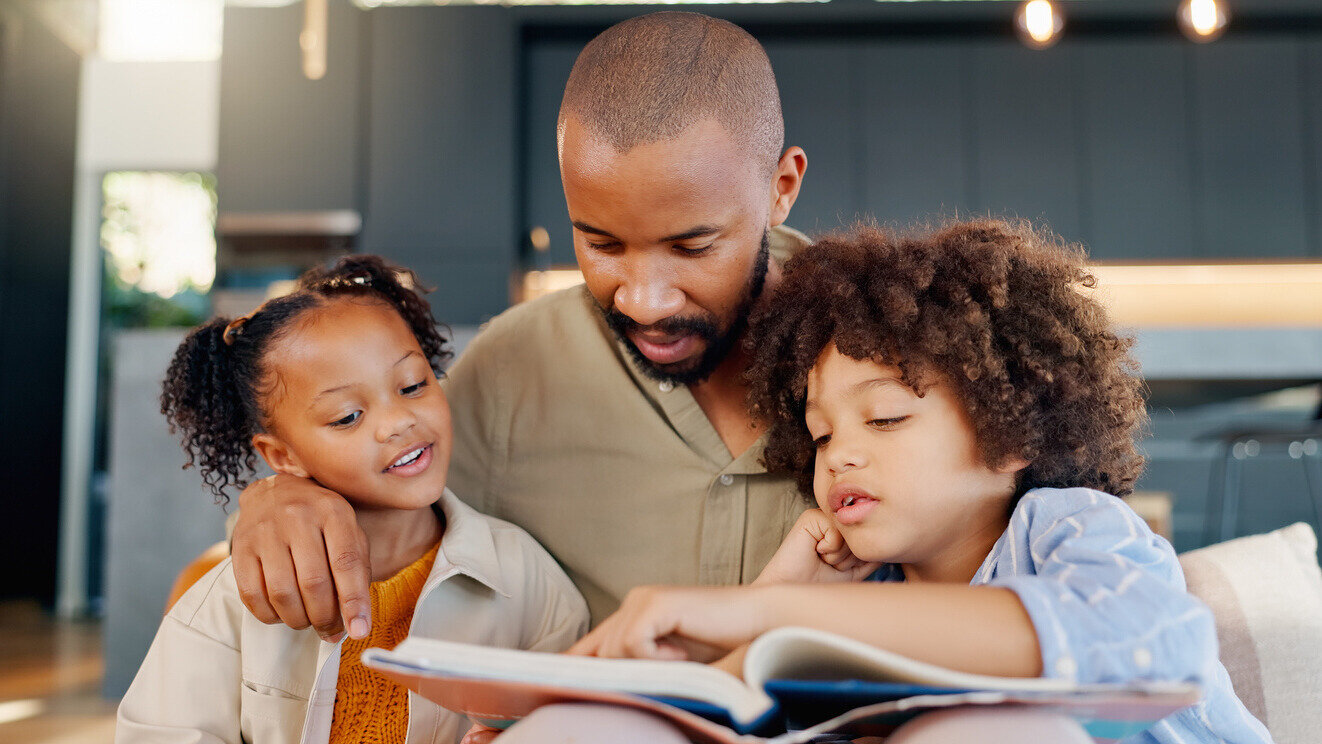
(727, 479)
(1142, 658)
(1066, 667)
(666, 386)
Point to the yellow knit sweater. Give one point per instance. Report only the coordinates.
(368, 707)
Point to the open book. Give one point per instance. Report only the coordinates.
(798, 683)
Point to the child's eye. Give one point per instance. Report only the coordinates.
(821, 441)
(411, 389)
(349, 420)
(886, 423)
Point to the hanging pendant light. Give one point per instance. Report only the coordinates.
(1039, 23)
(1203, 20)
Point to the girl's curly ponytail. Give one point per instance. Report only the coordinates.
(202, 398)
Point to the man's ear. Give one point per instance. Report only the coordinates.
(785, 183)
(278, 455)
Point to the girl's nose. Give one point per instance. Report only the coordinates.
(395, 421)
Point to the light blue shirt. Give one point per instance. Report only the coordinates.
(1108, 601)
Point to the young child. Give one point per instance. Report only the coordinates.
(337, 382)
(964, 416)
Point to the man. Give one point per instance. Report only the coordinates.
(607, 420)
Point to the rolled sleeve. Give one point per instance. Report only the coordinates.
(1105, 594)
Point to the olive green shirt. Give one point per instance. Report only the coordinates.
(622, 478)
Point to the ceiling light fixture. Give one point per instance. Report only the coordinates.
(1202, 20)
(1039, 23)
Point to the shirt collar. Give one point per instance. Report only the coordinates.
(677, 404)
(467, 547)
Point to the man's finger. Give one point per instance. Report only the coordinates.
(252, 586)
(282, 588)
(316, 589)
(346, 545)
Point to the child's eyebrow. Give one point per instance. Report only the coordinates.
(861, 387)
(338, 388)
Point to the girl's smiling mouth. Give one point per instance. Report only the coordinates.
(413, 460)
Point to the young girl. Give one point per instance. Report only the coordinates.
(337, 382)
(964, 417)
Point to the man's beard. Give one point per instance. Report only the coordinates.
(719, 344)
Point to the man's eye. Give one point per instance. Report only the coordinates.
(694, 251)
(349, 420)
(605, 247)
(411, 389)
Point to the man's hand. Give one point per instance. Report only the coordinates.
(678, 623)
(299, 558)
(814, 552)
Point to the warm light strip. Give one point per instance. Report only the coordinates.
(1230, 295)
(18, 710)
(1226, 295)
(538, 283)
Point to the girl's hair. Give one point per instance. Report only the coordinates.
(213, 390)
(993, 308)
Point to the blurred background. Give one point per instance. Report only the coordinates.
(161, 160)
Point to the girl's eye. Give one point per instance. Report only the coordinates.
(349, 420)
(886, 423)
(411, 389)
(821, 441)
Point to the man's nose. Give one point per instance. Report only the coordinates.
(647, 294)
(396, 419)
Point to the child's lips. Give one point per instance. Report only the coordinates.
(417, 465)
(850, 504)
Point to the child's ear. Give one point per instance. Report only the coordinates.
(1012, 464)
(278, 455)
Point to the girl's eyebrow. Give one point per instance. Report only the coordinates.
(338, 388)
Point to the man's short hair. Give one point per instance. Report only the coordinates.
(650, 78)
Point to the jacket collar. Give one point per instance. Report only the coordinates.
(467, 547)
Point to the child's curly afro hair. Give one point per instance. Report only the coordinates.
(996, 309)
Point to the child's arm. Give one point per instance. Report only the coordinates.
(814, 551)
(984, 630)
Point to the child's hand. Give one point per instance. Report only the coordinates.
(480, 734)
(678, 623)
(814, 551)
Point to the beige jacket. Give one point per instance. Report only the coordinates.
(216, 674)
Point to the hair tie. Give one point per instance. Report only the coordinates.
(359, 278)
(233, 328)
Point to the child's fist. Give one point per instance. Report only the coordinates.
(814, 551)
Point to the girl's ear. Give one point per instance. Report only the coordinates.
(278, 455)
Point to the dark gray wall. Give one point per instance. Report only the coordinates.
(38, 115)
(437, 125)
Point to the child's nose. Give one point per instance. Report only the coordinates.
(841, 457)
(395, 421)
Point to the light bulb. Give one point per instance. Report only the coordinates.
(1202, 20)
(1039, 23)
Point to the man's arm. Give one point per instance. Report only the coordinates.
(300, 558)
